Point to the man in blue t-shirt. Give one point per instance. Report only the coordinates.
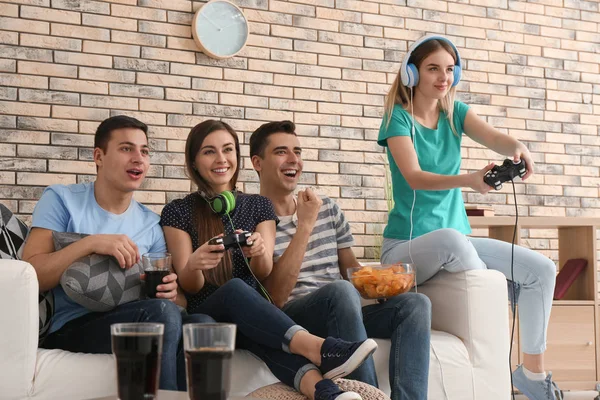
(117, 226)
(312, 254)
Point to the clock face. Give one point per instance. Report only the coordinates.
(220, 28)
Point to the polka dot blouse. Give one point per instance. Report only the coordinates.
(250, 210)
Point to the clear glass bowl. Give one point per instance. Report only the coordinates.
(381, 281)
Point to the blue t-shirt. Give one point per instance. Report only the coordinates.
(438, 152)
(250, 210)
(73, 208)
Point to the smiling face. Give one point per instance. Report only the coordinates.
(216, 161)
(126, 161)
(436, 74)
(281, 167)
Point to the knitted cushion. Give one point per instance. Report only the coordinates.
(281, 391)
(96, 281)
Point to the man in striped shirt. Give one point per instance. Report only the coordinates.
(313, 250)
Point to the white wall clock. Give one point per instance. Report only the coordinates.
(220, 29)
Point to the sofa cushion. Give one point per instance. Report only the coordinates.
(96, 281)
(450, 370)
(13, 233)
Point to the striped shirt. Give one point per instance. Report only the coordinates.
(320, 265)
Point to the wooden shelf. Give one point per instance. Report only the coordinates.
(573, 332)
(573, 303)
(533, 222)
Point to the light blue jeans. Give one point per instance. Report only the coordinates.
(453, 251)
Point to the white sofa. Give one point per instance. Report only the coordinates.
(469, 352)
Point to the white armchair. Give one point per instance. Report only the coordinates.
(469, 351)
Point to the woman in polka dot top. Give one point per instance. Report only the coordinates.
(220, 284)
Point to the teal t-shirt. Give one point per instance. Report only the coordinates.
(438, 152)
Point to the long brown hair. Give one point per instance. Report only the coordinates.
(207, 222)
(400, 94)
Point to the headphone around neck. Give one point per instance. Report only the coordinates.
(409, 73)
(221, 204)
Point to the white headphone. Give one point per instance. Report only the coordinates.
(409, 73)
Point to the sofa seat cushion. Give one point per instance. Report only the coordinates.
(95, 374)
(449, 369)
(449, 366)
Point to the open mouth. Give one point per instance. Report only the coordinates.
(290, 173)
(220, 170)
(135, 173)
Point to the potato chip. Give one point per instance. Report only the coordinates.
(381, 282)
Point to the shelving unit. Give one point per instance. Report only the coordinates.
(573, 353)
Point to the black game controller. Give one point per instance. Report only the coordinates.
(232, 240)
(504, 173)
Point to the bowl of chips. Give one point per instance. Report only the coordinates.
(381, 281)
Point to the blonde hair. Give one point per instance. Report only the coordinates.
(400, 94)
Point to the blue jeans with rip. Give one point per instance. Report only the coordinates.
(91, 334)
(262, 328)
(335, 310)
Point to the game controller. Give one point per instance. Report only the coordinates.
(504, 173)
(232, 240)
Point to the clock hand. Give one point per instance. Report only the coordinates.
(233, 23)
(209, 20)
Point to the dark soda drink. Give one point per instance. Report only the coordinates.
(138, 364)
(208, 373)
(154, 277)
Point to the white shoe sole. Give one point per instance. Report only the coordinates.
(349, 396)
(360, 355)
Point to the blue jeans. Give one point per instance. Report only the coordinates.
(406, 320)
(262, 329)
(91, 334)
(449, 249)
(335, 310)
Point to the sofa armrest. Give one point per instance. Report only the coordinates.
(473, 305)
(19, 321)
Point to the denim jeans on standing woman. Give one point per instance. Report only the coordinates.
(449, 249)
(262, 328)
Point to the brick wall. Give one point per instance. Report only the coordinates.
(531, 69)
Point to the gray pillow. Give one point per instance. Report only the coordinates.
(97, 282)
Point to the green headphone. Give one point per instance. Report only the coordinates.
(221, 204)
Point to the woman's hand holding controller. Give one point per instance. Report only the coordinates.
(523, 153)
(255, 245)
(207, 256)
(476, 181)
